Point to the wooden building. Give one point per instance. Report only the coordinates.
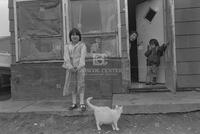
(39, 29)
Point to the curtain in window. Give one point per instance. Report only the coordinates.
(94, 16)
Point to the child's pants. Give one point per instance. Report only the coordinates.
(151, 73)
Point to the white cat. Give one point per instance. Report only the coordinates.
(106, 115)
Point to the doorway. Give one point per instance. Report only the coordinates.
(148, 20)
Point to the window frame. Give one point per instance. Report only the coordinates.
(118, 34)
(66, 26)
(17, 47)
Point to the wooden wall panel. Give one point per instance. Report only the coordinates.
(188, 68)
(184, 81)
(191, 14)
(188, 41)
(11, 29)
(187, 3)
(186, 28)
(188, 55)
(123, 18)
(122, 5)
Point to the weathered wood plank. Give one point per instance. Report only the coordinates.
(188, 54)
(186, 81)
(10, 3)
(123, 31)
(189, 68)
(11, 26)
(187, 15)
(186, 3)
(188, 41)
(11, 14)
(187, 28)
(122, 5)
(123, 18)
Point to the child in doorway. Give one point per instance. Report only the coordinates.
(153, 54)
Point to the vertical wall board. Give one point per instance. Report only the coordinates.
(11, 14)
(11, 26)
(126, 77)
(123, 18)
(10, 3)
(125, 50)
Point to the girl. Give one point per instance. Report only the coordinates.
(74, 63)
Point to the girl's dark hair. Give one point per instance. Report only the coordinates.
(134, 32)
(74, 31)
(154, 41)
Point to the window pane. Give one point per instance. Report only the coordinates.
(39, 25)
(39, 17)
(94, 16)
(40, 48)
(104, 45)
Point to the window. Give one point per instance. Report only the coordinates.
(39, 24)
(150, 14)
(97, 21)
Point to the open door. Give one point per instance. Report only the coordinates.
(170, 54)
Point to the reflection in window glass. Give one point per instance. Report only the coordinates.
(40, 48)
(97, 21)
(101, 45)
(94, 16)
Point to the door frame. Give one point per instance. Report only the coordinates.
(170, 36)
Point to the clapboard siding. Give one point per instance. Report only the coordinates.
(188, 55)
(185, 28)
(187, 15)
(188, 68)
(188, 41)
(186, 81)
(187, 3)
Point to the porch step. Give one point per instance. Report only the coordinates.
(142, 87)
(158, 102)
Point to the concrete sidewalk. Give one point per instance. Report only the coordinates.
(137, 103)
(46, 106)
(158, 102)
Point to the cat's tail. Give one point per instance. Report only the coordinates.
(89, 104)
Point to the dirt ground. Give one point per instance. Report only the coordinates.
(33, 123)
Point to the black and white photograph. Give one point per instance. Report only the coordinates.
(99, 66)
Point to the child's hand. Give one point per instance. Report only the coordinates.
(166, 44)
(149, 47)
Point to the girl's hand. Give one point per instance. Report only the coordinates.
(72, 70)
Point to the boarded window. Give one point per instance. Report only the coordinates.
(39, 29)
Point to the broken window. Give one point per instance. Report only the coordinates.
(150, 14)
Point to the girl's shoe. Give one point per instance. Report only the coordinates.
(73, 106)
(83, 107)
